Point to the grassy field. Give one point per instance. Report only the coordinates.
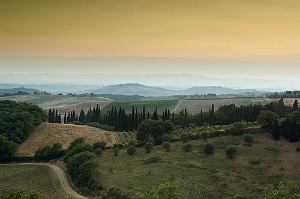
(61, 102)
(31, 177)
(204, 176)
(194, 106)
(149, 105)
(47, 134)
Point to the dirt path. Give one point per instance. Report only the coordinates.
(62, 178)
(177, 106)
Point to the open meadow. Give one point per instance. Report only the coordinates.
(205, 176)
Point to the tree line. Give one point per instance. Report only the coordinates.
(17, 121)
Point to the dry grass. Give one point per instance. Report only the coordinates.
(287, 101)
(47, 134)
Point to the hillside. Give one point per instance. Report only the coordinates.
(134, 89)
(47, 134)
(205, 176)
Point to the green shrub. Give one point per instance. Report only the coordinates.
(98, 152)
(187, 147)
(204, 136)
(116, 151)
(132, 143)
(184, 137)
(248, 139)
(231, 151)
(148, 147)
(254, 161)
(167, 146)
(209, 149)
(166, 138)
(131, 150)
(282, 191)
(152, 160)
(100, 145)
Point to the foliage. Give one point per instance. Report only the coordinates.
(187, 147)
(98, 152)
(184, 137)
(7, 149)
(166, 146)
(231, 151)
(204, 136)
(81, 164)
(166, 138)
(116, 151)
(17, 120)
(132, 143)
(167, 190)
(291, 127)
(209, 149)
(276, 132)
(131, 150)
(17, 193)
(248, 139)
(49, 153)
(148, 147)
(282, 191)
(267, 118)
(76, 147)
(155, 129)
(100, 145)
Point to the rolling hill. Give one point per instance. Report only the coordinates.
(48, 134)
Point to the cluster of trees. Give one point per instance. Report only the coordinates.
(53, 116)
(17, 121)
(49, 153)
(17, 193)
(81, 163)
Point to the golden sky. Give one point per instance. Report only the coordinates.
(205, 29)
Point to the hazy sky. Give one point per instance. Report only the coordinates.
(240, 38)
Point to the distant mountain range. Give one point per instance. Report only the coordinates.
(94, 81)
(129, 89)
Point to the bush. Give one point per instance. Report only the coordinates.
(148, 147)
(167, 146)
(166, 190)
(230, 152)
(282, 191)
(166, 138)
(254, 160)
(100, 145)
(184, 137)
(131, 150)
(98, 152)
(152, 160)
(209, 149)
(49, 153)
(132, 143)
(187, 147)
(204, 136)
(116, 151)
(248, 139)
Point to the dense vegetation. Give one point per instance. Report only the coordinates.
(17, 121)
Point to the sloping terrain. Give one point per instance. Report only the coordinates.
(47, 134)
(48, 179)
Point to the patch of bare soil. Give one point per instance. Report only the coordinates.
(48, 134)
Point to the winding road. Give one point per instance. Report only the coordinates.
(61, 176)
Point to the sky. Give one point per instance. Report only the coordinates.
(232, 38)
